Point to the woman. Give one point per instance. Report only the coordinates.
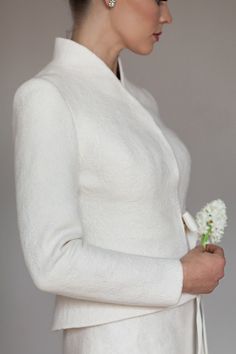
(101, 185)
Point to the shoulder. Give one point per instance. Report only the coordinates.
(39, 97)
(39, 106)
(36, 88)
(44, 84)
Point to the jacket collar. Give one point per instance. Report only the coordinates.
(76, 56)
(82, 62)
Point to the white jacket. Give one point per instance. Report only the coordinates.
(101, 185)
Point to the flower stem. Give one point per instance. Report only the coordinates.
(204, 239)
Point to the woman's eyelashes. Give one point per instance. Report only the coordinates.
(160, 1)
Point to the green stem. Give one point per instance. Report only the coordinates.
(205, 237)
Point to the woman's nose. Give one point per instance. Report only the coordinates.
(165, 16)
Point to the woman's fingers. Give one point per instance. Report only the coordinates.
(212, 248)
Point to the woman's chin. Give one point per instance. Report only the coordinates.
(145, 49)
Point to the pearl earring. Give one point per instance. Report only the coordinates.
(111, 3)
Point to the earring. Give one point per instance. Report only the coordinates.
(111, 3)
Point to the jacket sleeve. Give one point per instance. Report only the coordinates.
(57, 256)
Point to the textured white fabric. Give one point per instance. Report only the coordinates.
(101, 185)
(155, 333)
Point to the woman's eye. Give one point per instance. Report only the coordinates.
(160, 1)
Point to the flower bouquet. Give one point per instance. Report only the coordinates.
(211, 221)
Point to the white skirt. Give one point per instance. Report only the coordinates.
(171, 331)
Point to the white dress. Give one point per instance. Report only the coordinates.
(138, 335)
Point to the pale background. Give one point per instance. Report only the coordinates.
(192, 74)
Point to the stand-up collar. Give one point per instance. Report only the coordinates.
(74, 55)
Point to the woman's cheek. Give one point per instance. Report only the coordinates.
(146, 10)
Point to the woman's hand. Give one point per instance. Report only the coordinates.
(203, 269)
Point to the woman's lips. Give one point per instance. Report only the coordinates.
(156, 35)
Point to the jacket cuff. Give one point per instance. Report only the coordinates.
(171, 282)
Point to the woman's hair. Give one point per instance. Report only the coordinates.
(79, 9)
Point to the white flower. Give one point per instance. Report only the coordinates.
(211, 221)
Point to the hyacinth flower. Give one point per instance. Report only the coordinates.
(211, 221)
